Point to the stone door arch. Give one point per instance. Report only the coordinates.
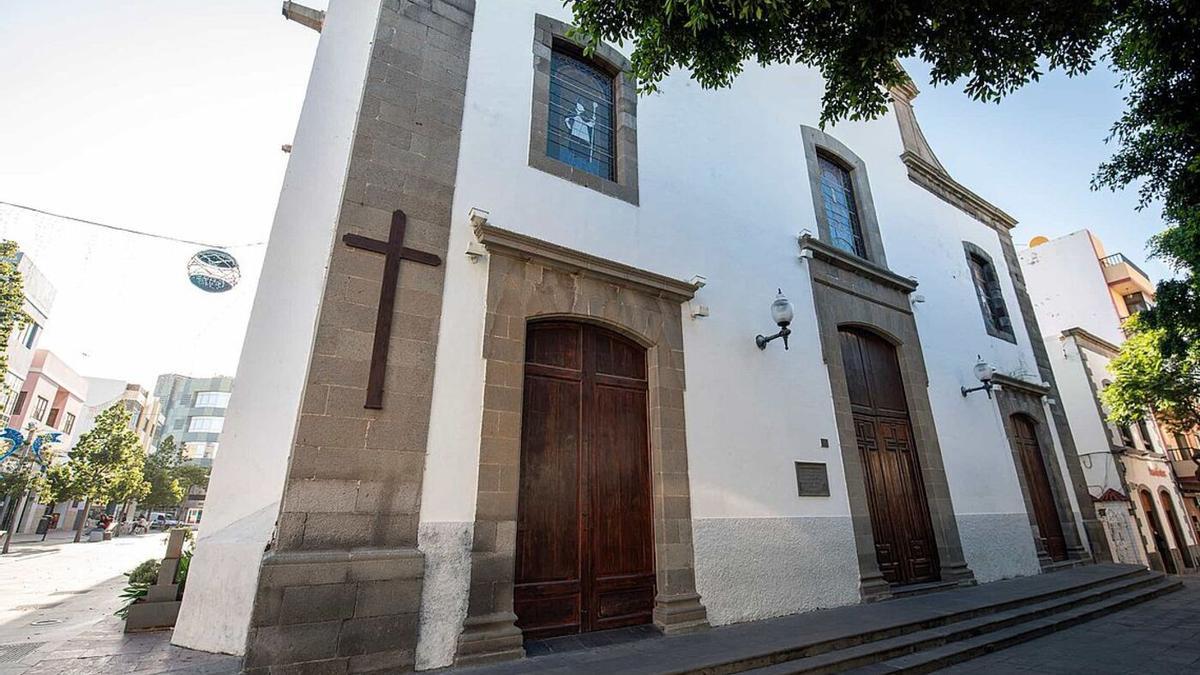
(530, 280)
(1168, 505)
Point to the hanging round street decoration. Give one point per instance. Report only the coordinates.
(213, 271)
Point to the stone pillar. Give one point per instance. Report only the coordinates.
(340, 586)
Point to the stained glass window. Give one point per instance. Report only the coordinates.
(991, 298)
(580, 129)
(837, 193)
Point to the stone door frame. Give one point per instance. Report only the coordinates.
(849, 292)
(1183, 552)
(531, 280)
(1018, 397)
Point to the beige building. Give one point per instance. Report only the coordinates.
(144, 408)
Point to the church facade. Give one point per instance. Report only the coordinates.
(502, 382)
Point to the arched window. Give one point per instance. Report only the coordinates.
(841, 206)
(991, 296)
(841, 194)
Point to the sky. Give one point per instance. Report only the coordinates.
(168, 117)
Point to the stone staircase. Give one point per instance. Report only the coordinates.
(929, 645)
(916, 633)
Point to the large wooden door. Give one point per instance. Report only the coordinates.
(1037, 479)
(585, 539)
(904, 542)
(1157, 533)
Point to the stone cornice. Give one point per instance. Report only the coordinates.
(524, 247)
(942, 185)
(864, 268)
(1092, 341)
(1010, 382)
(305, 16)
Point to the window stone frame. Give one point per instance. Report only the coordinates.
(1011, 334)
(547, 33)
(817, 141)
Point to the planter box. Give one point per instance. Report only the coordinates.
(145, 616)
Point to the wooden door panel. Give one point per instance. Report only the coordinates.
(614, 355)
(548, 560)
(622, 531)
(549, 477)
(620, 479)
(585, 556)
(559, 345)
(1037, 479)
(905, 547)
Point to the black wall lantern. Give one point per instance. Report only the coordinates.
(781, 314)
(983, 373)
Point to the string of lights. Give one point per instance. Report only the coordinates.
(126, 230)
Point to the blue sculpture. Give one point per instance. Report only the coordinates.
(16, 439)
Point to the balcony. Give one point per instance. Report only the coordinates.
(1185, 472)
(1125, 277)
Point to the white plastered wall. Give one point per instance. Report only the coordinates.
(249, 473)
(724, 193)
(1067, 286)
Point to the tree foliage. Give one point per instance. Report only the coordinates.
(193, 475)
(12, 299)
(993, 48)
(996, 46)
(107, 464)
(165, 489)
(1145, 378)
(1158, 50)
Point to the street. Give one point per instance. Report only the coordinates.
(57, 600)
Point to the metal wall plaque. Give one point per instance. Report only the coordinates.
(812, 479)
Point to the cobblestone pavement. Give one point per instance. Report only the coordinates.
(1160, 636)
(57, 600)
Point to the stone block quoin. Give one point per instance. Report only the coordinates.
(340, 588)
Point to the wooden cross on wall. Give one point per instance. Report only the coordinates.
(393, 251)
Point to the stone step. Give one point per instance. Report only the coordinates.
(801, 648)
(965, 650)
(760, 644)
(934, 648)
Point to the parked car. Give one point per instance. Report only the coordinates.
(161, 521)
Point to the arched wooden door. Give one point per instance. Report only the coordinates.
(904, 543)
(1037, 479)
(585, 539)
(1156, 532)
(1176, 528)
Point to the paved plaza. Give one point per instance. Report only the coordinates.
(57, 601)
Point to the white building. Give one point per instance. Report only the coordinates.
(1081, 295)
(606, 261)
